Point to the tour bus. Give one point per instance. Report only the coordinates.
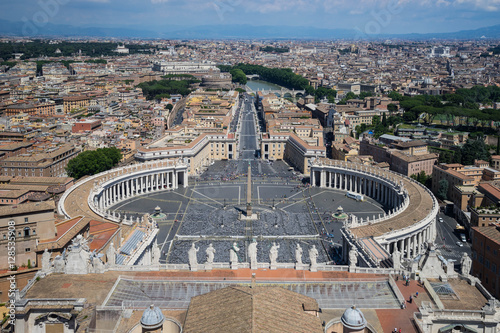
(357, 197)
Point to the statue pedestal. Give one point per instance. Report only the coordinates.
(352, 268)
(253, 265)
(300, 267)
(76, 264)
(193, 268)
(273, 266)
(245, 217)
(313, 268)
(235, 265)
(208, 267)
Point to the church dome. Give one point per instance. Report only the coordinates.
(353, 319)
(152, 317)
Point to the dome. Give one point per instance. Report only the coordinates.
(152, 317)
(353, 319)
(365, 60)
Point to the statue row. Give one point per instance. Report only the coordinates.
(78, 259)
(234, 257)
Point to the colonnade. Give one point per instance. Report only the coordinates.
(388, 189)
(139, 184)
(411, 245)
(377, 188)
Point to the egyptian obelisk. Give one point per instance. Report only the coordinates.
(249, 191)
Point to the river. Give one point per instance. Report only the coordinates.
(257, 85)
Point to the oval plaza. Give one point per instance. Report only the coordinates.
(405, 225)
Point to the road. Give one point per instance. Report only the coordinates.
(248, 132)
(447, 239)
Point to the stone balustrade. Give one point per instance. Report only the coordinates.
(109, 188)
(408, 226)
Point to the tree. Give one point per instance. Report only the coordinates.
(238, 76)
(169, 107)
(395, 96)
(91, 162)
(443, 189)
(350, 95)
(365, 94)
(392, 107)
(384, 120)
(474, 150)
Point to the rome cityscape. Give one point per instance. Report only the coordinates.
(267, 166)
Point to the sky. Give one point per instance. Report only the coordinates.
(369, 16)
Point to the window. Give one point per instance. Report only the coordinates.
(27, 249)
(25, 220)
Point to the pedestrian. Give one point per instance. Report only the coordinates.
(399, 331)
(395, 330)
(411, 299)
(416, 295)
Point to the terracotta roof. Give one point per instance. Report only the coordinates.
(27, 208)
(245, 309)
(490, 189)
(408, 144)
(100, 233)
(490, 232)
(66, 231)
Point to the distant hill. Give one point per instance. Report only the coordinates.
(8, 28)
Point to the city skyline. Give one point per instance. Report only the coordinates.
(370, 18)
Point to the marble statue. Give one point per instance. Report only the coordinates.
(313, 256)
(233, 254)
(98, 265)
(193, 260)
(466, 264)
(298, 255)
(273, 254)
(59, 264)
(78, 258)
(353, 257)
(156, 254)
(396, 259)
(111, 254)
(46, 261)
(210, 251)
(252, 254)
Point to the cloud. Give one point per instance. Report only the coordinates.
(97, 1)
(269, 6)
(488, 5)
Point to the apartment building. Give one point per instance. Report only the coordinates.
(26, 223)
(75, 102)
(48, 164)
(486, 258)
(404, 157)
(43, 109)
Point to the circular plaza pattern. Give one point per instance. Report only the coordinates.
(395, 213)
